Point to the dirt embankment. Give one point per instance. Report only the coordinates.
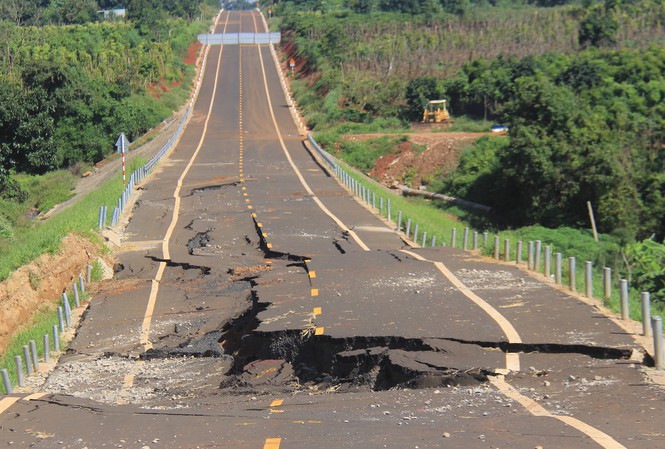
(412, 166)
(40, 284)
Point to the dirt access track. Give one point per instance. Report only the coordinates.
(410, 163)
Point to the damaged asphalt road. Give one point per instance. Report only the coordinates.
(275, 309)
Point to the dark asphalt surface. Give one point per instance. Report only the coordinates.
(262, 322)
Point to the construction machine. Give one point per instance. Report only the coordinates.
(436, 112)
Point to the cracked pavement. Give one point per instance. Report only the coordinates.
(268, 321)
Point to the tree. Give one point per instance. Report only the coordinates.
(598, 29)
(361, 6)
(26, 131)
(419, 91)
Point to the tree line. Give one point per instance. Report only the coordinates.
(585, 115)
(66, 91)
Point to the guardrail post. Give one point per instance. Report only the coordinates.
(82, 285)
(506, 250)
(453, 238)
(380, 205)
(88, 273)
(5, 380)
(475, 240)
(76, 295)
(571, 273)
(28, 362)
(518, 253)
(415, 234)
(433, 241)
(558, 268)
(588, 279)
(623, 293)
(607, 283)
(56, 339)
(373, 200)
(424, 239)
(646, 313)
(536, 258)
(68, 310)
(658, 352)
(399, 221)
(529, 263)
(61, 321)
(33, 350)
(19, 370)
(548, 262)
(465, 239)
(486, 236)
(389, 214)
(408, 227)
(497, 250)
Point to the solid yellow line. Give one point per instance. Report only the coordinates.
(272, 443)
(7, 402)
(297, 171)
(152, 300)
(512, 359)
(536, 409)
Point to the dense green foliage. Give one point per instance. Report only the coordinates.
(66, 92)
(580, 85)
(584, 128)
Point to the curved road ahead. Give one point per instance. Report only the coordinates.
(257, 304)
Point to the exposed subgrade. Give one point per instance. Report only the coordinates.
(200, 240)
(376, 363)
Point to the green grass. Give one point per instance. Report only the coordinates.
(439, 220)
(37, 238)
(30, 242)
(42, 323)
(468, 124)
(432, 220)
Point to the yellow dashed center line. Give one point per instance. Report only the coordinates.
(315, 292)
(316, 311)
(319, 331)
(272, 443)
(312, 274)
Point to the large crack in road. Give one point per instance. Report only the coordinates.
(234, 355)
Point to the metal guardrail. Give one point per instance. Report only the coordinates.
(539, 256)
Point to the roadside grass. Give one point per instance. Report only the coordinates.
(464, 123)
(46, 236)
(37, 238)
(41, 324)
(439, 220)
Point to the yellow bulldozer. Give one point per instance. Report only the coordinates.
(436, 112)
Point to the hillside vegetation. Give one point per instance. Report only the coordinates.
(580, 86)
(71, 83)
